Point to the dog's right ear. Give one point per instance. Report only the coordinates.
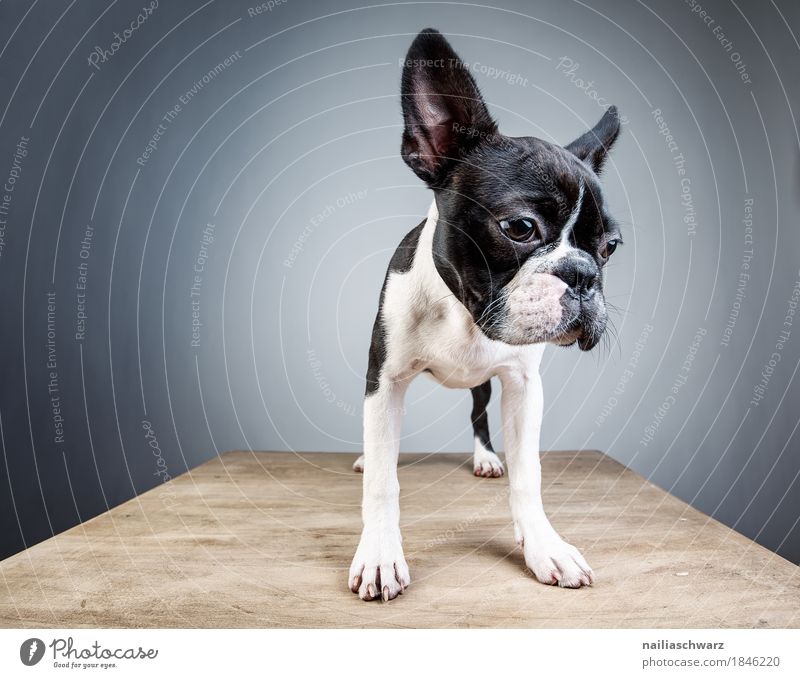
(443, 111)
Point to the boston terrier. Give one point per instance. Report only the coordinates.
(509, 258)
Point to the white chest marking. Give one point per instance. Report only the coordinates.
(428, 329)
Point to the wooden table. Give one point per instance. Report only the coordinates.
(265, 539)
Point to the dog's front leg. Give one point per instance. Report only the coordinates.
(379, 567)
(550, 558)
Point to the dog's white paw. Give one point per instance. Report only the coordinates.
(554, 561)
(379, 568)
(358, 464)
(486, 463)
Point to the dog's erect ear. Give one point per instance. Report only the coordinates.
(443, 110)
(593, 147)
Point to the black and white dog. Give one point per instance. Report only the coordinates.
(509, 258)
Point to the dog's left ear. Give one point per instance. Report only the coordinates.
(593, 147)
(443, 111)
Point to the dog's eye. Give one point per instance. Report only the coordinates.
(609, 248)
(520, 230)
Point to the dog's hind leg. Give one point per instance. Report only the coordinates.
(485, 462)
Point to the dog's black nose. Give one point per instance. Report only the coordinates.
(580, 276)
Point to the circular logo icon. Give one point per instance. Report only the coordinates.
(31, 651)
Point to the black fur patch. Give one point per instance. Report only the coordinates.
(443, 111)
(480, 420)
(401, 262)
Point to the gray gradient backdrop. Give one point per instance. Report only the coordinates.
(272, 185)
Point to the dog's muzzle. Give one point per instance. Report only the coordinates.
(584, 309)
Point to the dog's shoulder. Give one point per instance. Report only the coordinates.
(403, 256)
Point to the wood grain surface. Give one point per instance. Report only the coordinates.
(265, 540)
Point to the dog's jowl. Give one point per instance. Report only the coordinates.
(509, 258)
